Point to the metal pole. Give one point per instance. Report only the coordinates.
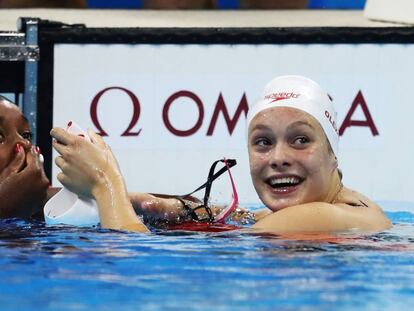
(30, 77)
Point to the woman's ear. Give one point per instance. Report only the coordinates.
(336, 167)
(334, 162)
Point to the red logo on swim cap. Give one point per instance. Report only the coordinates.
(281, 96)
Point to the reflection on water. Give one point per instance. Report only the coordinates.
(65, 268)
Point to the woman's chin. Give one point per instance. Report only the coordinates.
(279, 204)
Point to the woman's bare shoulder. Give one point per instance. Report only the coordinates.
(352, 211)
(353, 198)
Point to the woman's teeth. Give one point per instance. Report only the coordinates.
(284, 181)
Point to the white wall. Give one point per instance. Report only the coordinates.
(158, 161)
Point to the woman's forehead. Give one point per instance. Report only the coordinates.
(9, 110)
(6, 104)
(283, 116)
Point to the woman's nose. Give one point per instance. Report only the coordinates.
(280, 157)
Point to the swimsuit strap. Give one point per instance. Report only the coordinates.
(354, 204)
(228, 163)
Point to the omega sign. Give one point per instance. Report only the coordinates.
(220, 109)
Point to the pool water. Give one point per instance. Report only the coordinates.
(65, 268)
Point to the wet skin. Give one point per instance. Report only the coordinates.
(295, 174)
(23, 184)
(293, 170)
(14, 130)
(288, 147)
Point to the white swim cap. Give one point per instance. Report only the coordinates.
(303, 94)
(65, 207)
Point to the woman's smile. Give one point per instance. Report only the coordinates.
(290, 159)
(284, 184)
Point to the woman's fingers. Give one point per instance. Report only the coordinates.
(60, 162)
(19, 160)
(62, 178)
(96, 139)
(39, 156)
(60, 148)
(34, 160)
(34, 157)
(81, 161)
(62, 136)
(31, 159)
(16, 164)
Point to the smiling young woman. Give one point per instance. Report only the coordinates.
(293, 146)
(290, 159)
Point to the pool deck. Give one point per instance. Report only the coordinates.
(205, 18)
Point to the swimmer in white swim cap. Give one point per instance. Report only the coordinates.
(293, 149)
(292, 143)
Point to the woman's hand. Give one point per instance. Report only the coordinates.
(23, 185)
(85, 165)
(90, 169)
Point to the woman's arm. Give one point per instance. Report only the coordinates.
(90, 169)
(115, 208)
(156, 207)
(324, 217)
(172, 209)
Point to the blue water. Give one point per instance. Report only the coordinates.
(50, 268)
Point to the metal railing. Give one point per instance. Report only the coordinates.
(22, 46)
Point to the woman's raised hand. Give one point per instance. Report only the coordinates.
(90, 169)
(85, 165)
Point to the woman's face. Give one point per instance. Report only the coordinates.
(290, 158)
(14, 130)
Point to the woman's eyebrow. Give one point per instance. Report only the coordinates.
(300, 123)
(259, 127)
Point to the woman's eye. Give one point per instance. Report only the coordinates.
(27, 135)
(2, 138)
(301, 140)
(262, 142)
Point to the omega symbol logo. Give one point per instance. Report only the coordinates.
(135, 115)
